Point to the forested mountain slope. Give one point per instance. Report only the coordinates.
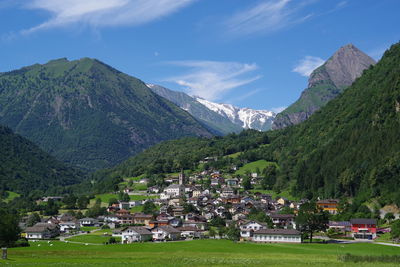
(24, 167)
(88, 114)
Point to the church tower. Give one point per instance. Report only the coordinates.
(182, 178)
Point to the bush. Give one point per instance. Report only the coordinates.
(105, 226)
(23, 242)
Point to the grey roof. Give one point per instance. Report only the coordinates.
(342, 223)
(363, 221)
(40, 227)
(169, 229)
(173, 186)
(282, 216)
(140, 230)
(278, 232)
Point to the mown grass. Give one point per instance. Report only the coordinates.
(93, 238)
(253, 166)
(195, 253)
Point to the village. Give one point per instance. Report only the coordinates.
(186, 210)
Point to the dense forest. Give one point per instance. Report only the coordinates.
(348, 148)
(26, 169)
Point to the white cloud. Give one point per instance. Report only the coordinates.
(307, 65)
(266, 16)
(278, 109)
(102, 13)
(212, 79)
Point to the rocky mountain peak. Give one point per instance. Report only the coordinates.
(346, 65)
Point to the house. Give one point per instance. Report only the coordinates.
(363, 228)
(176, 202)
(285, 221)
(135, 234)
(232, 182)
(42, 231)
(125, 219)
(88, 222)
(343, 226)
(227, 191)
(163, 233)
(282, 201)
(196, 193)
(141, 218)
(190, 232)
(248, 228)
(46, 199)
(154, 224)
(277, 236)
(174, 190)
(329, 205)
(123, 205)
(67, 226)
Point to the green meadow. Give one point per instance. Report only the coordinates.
(194, 253)
(253, 167)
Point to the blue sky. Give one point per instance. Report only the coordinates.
(253, 54)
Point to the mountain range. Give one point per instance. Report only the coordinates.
(223, 118)
(349, 148)
(325, 83)
(213, 120)
(89, 114)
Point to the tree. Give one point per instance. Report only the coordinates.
(9, 230)
(124, 197)
(70, 201)
(82, 202)
(246, 183)
(389, 217)
(149, 208)
(260, 216)
(311, 219)
(233, 233)
(51, 208)
(212, 232)
(33, 219)
(395, 229)
(112, 201)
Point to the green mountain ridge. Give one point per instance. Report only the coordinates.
(24, 167)
(88, 114)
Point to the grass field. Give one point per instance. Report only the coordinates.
(11, 196)
(193, 253)
(252, 167)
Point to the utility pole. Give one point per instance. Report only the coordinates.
(4, 254)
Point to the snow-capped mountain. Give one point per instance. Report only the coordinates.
(245, 117)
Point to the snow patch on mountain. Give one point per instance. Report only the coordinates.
(245, 117)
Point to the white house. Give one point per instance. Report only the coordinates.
(88, 222)
(135, 234)
(175, 190)
(163, 233)
(65, 227)
(42, 231)
(190, 232)
(247, 229)
(277, 236)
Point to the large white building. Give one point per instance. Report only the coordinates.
(277, 236)
(173, 190)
